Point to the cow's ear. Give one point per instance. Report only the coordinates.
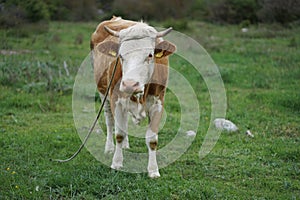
(109, 48)
(164, 48)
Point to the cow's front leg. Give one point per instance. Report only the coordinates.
(155, 114)
(109, 145)
(151, 141)
(125, 144)
(121, 116)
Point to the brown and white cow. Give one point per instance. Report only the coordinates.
(139, 85)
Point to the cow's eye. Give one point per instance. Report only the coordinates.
(149, 57)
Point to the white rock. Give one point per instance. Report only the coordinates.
(191, 133)
(244, 30)
(248, 132)
(223, 124)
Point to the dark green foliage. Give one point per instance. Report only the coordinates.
(11, 15)
(57, 9)
(36, 10)
(152, 9)
(244, 12)
(80, 10)
(219, 11)
(232, 11)
(14, 13)
(239, 11)
(282, 11)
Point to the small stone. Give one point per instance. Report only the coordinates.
(248, 132)
(244, 30)
(223, 124)
(191, 133)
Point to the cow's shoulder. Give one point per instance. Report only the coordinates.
(115, 23)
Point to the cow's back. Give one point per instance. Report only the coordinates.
(116, 23)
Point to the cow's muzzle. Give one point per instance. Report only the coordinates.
(131, 87)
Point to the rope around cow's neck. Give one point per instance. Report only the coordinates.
(96, 119)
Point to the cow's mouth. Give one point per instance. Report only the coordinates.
(138, 94)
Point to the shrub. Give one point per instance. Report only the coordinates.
(232, 11)
(11, 16)
(197, 10)
(56, 9)
(134, 9)
(80, 10)
(282, 11)
(36, 10)
(151, 9)
(14, 13)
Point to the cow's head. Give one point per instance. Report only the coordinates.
(138, 48)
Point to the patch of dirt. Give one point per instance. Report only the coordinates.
(13, 52)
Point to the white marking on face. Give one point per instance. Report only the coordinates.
(136, 50)
(138, 66)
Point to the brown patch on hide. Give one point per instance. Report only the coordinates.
(100, 34)
(153, 145)
(119, 138)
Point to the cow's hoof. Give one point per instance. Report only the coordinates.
(154, 174)
(116, 166)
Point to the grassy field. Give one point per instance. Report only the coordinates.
(261, 72)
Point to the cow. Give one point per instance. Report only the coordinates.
(139, 85)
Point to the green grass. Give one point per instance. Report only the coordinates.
(261, 73)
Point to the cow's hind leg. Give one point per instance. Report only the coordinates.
(109, 120)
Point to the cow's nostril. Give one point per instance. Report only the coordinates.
(130, 87)
(136, 84)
